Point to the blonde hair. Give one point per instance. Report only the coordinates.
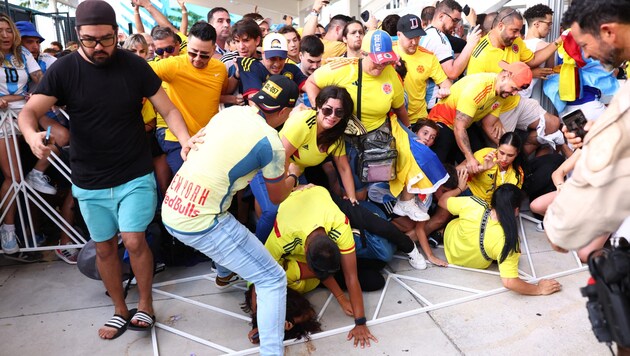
(133, 40)
(16, 48)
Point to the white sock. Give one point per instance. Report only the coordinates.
(8, 227)
(36, 172)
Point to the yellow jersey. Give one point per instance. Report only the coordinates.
(484, 184)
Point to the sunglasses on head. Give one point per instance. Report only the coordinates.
(195, 55)
(160, 51)
(329, 111)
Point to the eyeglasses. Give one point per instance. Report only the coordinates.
(549, 23)
(508, 15)
(93, 42)
(329, 111)
(195, 55)
(160, 51)
(454, 20)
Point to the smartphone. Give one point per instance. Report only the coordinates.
(365, 16)
(575, 122)
(466, 10)
(47, 138)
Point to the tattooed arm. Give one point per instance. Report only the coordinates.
(462, 122)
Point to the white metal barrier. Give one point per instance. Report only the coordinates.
(21, 189)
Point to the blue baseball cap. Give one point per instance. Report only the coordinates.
(378, 45)
(27, 29)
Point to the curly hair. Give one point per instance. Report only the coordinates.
(537, 12)
(590, 15)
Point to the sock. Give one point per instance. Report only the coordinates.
(8, 227)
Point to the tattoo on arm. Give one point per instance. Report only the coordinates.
(37, 76)
(462, 121)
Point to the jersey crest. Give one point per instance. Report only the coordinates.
(387, 88)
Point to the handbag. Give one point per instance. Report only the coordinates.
(377, 149)
(372, 246)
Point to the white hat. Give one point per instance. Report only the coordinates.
(275, 45)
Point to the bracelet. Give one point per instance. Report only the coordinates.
(296, 179)
(460, 190)
(557, 43)
(360, 321)
(313, 11)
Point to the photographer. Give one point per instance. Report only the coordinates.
(594, 200)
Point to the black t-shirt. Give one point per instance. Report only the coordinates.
(107, 141)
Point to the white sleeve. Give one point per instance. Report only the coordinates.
(31, 63)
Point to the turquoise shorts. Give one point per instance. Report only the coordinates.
(129, 207)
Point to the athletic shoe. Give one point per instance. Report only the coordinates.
(68, 255)
(229, 280)
(416, 260)
(9, 242)
(436, 239)
(410, 209)
(26, 257)
(40, 182)
(540, 227)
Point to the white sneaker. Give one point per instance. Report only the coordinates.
(9, 242)
(540, 227)
(416, 260)
(410, 209)
(68, 255)
(40, 182)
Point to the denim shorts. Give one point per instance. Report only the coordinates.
(129, 207)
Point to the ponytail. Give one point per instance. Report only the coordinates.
(505, 200)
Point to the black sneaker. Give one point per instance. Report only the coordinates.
(25, 257)
(435, 239)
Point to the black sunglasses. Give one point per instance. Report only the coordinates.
(508, 15)
(160, 51)
(329, 111)
(202, 56)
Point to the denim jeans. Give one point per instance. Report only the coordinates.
(172, 149)
(230, 244)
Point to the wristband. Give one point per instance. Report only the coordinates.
(314, 13)
(360, 321)
(296, 179)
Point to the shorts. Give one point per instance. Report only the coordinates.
(524, 114)
(11, 119)
(129, 207)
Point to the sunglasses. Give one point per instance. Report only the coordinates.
(329, 111)
(160, 51)
(93, 42)
(195, 55)
(454, 20)
(508, 15)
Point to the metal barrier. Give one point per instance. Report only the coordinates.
(20, 188)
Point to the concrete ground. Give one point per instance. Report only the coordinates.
(50, 308)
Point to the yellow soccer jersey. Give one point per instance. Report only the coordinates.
(299, 215)
(461, 238)
(421, 66)
(195, 92)
(148, 111)
(484, 184)
(294, 276)
(301, 131)
(473, 95)
(486, 58)
(378, 94)
(333, 49)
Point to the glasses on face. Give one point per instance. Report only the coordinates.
(327, 111)
(508, 15)
(549, 23)
(195, 55)
(452, 19)
(169, 50)
(107, 41)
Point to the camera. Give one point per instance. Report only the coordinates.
(608, 293)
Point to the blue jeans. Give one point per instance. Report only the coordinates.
(172, 149)
(230, 244)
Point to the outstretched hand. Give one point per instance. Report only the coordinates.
(361, 335)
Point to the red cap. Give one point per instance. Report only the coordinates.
(520, 73)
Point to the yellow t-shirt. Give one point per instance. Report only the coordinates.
(195, 92)
(333, 49)
(421, 66)
(316, 209)
(484, 184)
(238, 144)
(148, 111)
(301, 131)
(473, 95)
(486, 58)
(294, 275)
(461, 238)
(378, 94)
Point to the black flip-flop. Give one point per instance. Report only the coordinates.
(142, 317)
(119, 323)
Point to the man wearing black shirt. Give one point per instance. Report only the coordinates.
(103, 90)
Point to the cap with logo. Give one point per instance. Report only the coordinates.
(378, 45)
(95, 12)
(277, 92)
(520, 73)
(27, 29)
(275, 45)
(409, 25)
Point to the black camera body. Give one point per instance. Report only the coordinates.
(608, 293)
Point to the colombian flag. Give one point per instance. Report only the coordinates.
(570, 87)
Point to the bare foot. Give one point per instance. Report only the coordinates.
(438, 262)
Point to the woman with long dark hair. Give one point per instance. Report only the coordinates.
(484, 233)
(500, 166)
(309, 137)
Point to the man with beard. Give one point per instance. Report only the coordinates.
(503, 42)
(112, 172)
(311, 50)
(353, 35)
(219, 18)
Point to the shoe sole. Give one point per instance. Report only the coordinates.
(10, 252)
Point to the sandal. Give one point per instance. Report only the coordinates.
(119, 323)
(144, 317)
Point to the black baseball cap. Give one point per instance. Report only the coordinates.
(277, 92)
(409, 25)
(323, 256)
(95, 12)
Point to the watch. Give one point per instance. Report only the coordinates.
(360, 321)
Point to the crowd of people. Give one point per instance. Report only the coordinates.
(428, 122)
